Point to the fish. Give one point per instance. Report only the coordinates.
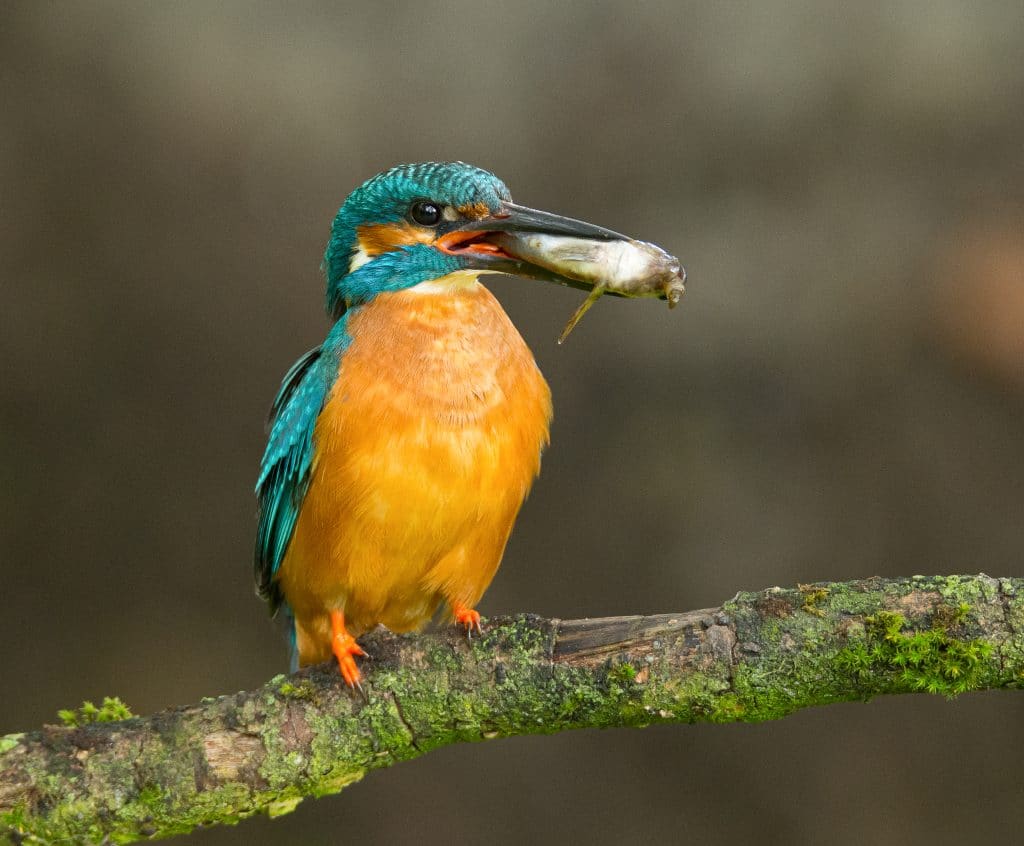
(624, 268)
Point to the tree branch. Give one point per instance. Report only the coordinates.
(758, 657)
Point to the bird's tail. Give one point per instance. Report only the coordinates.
(293, 644)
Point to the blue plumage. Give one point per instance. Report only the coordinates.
(288, 458)
(385, 199)
(403, 268)
(290, 382)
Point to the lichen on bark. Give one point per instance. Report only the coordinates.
(760, 656)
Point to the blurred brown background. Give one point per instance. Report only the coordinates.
(841, 394)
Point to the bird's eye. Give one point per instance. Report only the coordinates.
(426, 213)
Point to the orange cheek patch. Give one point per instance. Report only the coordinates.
(387, 237)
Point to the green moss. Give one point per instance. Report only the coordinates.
(706, 699)
(970, 589)
(111, 710)
(623, 674)
(845, 600)
(813, 596)
(782, 654)
(757, 699)
(728, 709)
(387, 728)
(795, 678)
(226, 804)
(1010, 651)
(302, 690)
(14, 828)
(580, 696)
(154, 812)
(950, 616)
(612, 699)
(932, 660)
(280, 807)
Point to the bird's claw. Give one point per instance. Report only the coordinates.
(468, 617)
(345, 653)
(345, 649)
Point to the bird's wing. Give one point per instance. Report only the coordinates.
(286, 465)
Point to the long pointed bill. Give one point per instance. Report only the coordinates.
(540, 245)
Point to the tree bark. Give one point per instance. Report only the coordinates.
(759, 656)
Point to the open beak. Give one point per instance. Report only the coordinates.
(501, 243)
(540, 245)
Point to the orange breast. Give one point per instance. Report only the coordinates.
(424, 453)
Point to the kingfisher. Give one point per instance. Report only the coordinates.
(402, 448)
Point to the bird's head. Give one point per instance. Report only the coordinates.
(419, 222)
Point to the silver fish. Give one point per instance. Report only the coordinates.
(624, 268)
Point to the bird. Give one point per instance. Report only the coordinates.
(401, 449)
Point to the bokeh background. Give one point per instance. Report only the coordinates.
(841, 394)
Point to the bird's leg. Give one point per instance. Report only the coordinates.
(465, 616)
(345, 649)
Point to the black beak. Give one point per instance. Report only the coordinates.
(513, 218)
(481, 244)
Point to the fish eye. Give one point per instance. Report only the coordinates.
(426, 213)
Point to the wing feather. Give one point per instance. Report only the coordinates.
(286, 465)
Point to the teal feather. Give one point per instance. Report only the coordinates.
(288, 459)
(386, 199)
(290, 382)
(402, 268)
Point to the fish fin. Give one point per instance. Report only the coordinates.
(577, 315)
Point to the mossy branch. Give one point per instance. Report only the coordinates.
(760, 656)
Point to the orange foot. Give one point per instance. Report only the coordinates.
(345, 649)
(466, 617)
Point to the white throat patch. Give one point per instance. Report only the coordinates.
(460, 280)
(359, 258)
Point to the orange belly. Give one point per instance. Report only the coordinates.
(424, 453)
